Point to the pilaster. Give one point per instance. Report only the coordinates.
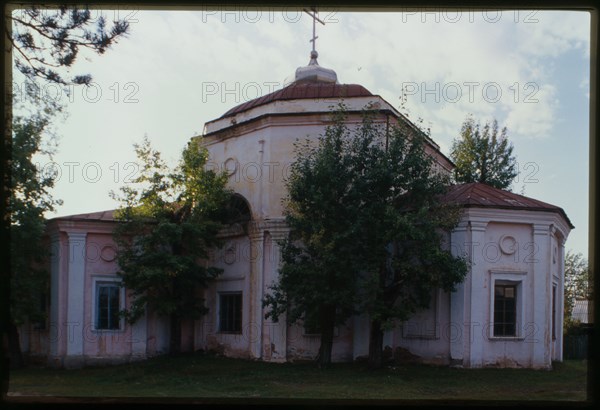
(54, 328)
(274, 332)
(255, 320)
(139, 337)
(458, 337)
(478, 304)
(560, 300)
(542, 289)
(75, 299)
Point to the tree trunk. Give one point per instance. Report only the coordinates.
(14, 346)
(175, 337)
(327, 321)
(376, 345)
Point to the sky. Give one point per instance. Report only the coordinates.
(177, 70)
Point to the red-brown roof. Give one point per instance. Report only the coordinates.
(303, 91)
(479, 195)
(107, 216)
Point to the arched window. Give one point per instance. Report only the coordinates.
(238, 211)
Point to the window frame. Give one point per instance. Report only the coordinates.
(241, 311)
(505, 323)
(100, 281)
(508, 278)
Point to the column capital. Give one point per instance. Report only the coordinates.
(478, 226)
(278, 228)
(541, 229)
(255, 233)
(461, 227)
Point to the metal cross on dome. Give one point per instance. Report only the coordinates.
(313, 13)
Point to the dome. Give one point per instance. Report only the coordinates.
(313, 72)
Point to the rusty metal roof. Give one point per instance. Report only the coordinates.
(107, 216)
(479, 195)
(300, 91)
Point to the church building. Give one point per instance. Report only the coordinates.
(507, 313)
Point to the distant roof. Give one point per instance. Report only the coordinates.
(479, 195)
(299, 91)
(107, 216)
(583, 311)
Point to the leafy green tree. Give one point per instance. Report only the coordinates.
(30, 198)
(578, 285)
(404, 225)
(483, 155)
(364, 214)
(169, 221)
(316, 283)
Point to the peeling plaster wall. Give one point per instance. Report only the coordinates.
(497, 264)
(234, 258)
(99, 266)
(428, 334)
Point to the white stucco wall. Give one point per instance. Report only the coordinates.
(512, 246)
(84, 256)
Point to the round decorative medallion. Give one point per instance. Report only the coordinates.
(108, 253)
(230, 165)
(229, 256)
(508, 244)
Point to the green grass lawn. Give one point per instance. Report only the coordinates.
(201, 376)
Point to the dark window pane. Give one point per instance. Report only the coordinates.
(108, 307)
(114, 308)
(505, 310)
(230, 312)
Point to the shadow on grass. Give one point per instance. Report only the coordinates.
(207, 377)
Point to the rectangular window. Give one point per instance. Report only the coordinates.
(505, 310)
(107, 306)
(230, 312)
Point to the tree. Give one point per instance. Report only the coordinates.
(168, 222)
(48, 40)
(42, 44)
(483, 155)
(578, 285)
(364, 218)
(316, 283)
(404, 225)
(30, 199)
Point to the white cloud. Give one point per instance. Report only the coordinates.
(555, 33)
(536, 118)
